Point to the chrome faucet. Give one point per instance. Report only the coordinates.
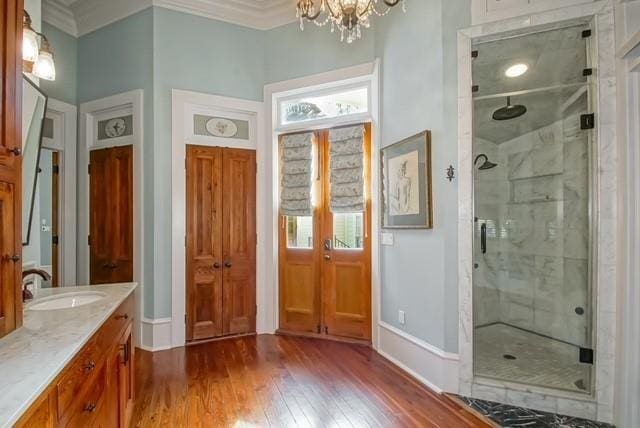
(26, 293)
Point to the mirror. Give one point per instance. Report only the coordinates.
(34, 106)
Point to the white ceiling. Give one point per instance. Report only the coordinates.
(78, 17)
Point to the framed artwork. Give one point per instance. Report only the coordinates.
(406, 183)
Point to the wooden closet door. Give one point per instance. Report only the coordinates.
(239, 237)
(204, 242)
(11, 12)
(121, 209)
(111, 215)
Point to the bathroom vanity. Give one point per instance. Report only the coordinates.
(71, 364)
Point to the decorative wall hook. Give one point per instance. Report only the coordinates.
(451, 173)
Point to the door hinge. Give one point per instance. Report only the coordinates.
(88, 239)
(586, 356)
(318, 328)
(255, 310)
(89, 168)
(588, 121)
(55, 169)
(55, 240)
(326, 329)
(185, 318)
(185, 241)
(185, 163)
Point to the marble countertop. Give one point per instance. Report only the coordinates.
(32, 356)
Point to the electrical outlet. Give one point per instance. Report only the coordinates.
(401, 317)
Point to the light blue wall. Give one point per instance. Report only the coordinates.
(197, 54)
(419, 84)
(164, 49)
(115, 59)
(65, 50)
(291, 53)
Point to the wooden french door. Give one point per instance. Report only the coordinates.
(221, 242)
(325, 260)
(111, 215)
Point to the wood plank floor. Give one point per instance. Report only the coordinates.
(279, 381)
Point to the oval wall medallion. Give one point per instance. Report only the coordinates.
(115, 128)
(219, 127)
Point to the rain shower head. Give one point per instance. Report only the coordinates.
(487, 164)
(509, 111)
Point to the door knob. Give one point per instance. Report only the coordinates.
(327, 257)
(216, 265)
(15, 258)
(16, 151)
(227, 264)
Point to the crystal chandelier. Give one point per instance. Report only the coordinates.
(348, 16)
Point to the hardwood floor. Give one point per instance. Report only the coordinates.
(279, 381)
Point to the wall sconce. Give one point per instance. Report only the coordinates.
(37, 57)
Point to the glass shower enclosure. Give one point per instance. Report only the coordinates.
(533, 304)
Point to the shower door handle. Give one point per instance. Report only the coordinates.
(483, 237)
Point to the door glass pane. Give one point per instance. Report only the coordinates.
(299, 232)
(531, 282)
(348, 231)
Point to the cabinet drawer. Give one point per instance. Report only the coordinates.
(81, 371)
(85, 410)
(115, 326)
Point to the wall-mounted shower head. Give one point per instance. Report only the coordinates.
(487, 164)
(509, 111)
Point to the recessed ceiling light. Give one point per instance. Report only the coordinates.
(516, 70)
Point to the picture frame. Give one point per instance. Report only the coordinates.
(406, 183)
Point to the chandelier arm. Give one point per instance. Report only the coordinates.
(314, 17)
(331, 11)
(367, 10)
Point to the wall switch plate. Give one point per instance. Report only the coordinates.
(387, 238)
(401, 318)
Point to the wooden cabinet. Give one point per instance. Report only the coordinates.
(221, 242)
(96, 389)
(10, 165)
(111, 215)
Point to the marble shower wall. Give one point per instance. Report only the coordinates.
(534, 274)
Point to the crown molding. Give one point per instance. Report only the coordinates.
(60, 16)
(93, 14)
(257, 14)
(80, 17)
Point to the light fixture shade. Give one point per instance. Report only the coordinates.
(45, 68)
(29, 44)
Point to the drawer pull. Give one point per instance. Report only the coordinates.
(90, 408)
(122, 317)
(89, 366)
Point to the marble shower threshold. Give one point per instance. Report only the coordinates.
(505, 415)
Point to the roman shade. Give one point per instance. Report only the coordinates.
(347, 169)
(295, 178)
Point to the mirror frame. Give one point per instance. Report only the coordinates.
(40, 139)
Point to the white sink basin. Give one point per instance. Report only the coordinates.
(66, 301)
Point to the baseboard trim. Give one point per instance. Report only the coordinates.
(156, 334)
(432, 366)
